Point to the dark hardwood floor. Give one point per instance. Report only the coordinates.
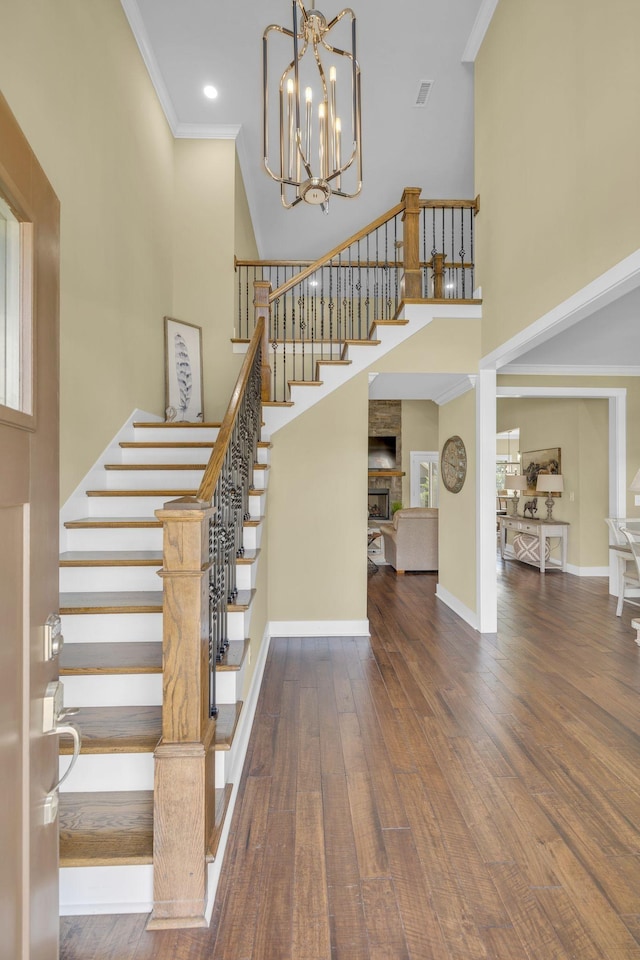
(431, 794)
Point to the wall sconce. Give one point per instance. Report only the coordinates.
(549, 483)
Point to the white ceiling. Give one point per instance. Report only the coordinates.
(189, 43)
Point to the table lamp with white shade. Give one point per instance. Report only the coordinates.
(516, 483)
(549, 483)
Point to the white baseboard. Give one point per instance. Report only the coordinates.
(587, 571)
(319, 628)
(469, 616)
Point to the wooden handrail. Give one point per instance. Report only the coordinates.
(317, 264)
(214, 466)
(465, 204)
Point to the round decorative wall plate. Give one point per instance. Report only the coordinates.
(453, 464)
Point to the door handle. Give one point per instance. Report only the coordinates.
(53, 716)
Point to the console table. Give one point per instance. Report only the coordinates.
(542, 529)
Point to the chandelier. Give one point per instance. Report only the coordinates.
(318, 118)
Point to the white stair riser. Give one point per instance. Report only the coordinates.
(153, 479)
(129, 506)
(238, 624)
(246, 576)
(111, 628)
(113, 690)
(175, 434)
(261, 479)
(86, 890)
(252, 537)
(81, 579)
(135, 538)
(114, 538)
(223, 766)
(229, 684)
(109, 771)
(263, 454)
(166, 455)
(256, 504)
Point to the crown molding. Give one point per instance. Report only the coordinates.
(133, 15)
(478, 30)
(573, 370)
(463, 385)
(207, 131)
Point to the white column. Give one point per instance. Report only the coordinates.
(486, 584)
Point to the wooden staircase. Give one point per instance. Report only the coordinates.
(111, 664)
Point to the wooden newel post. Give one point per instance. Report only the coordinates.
(411, 286)
(184, 787)
(261, 291)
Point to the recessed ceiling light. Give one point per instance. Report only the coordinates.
(210, 92)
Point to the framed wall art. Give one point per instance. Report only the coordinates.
(183, 371)
(539, 461)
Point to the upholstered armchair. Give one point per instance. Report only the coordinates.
(411, 541)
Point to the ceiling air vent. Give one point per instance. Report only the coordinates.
(424, 89)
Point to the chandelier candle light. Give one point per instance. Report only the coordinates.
(313, 164)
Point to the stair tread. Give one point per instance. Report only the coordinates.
(234, 656)
(111, 558)
(141, 493)
(112, 601)
(113, 522)
(132, 657)
(336, 363)
(131, 729)
(110, 658)
(305, 383)
(249, 556)
(168, 445)
(243, 601)
(106, 828)
(169, 424)
(277, 403)
(155, 466)
(364, 342)
(137, 729)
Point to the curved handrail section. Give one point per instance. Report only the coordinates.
(341, 248)
(252, 360)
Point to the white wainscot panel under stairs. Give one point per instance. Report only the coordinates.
(111, 664)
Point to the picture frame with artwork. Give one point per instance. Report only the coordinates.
(184, 396)
(534, 462)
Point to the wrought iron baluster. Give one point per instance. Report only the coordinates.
(367, 302)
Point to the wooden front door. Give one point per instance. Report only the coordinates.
(29, 338)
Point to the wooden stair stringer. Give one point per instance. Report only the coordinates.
(390, 334)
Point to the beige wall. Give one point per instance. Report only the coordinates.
(91, 115)
(581, 429)
(318, 510)
(444, 346)
(245, 247)
(419, 432)
(557, 87)
(203, 272)
(457, 513)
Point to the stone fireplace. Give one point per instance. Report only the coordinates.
(385, 486)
